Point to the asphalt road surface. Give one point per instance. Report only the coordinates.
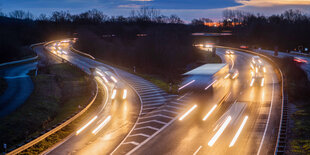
(19, 88)
(260, 105)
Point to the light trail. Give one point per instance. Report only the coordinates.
(219, 132)
(197, 150)
(187, 113)
(86, 125)
(99, 73)
(252, 82)
(113, 94)
(96, 130)
(235, 75)
(105, 79)
(124, 94)
(262, 83)
(114, 79)
(227, 76)
(187, 84)
(238, 132)
(210, 84)
(209, 113)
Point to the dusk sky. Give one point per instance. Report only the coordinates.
(186, 9)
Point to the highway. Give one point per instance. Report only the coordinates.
(236, 118)
(122, 113)
(257, 108)
(305, 66)
(19, 88)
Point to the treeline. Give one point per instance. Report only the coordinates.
(287, 31)
(150, 42)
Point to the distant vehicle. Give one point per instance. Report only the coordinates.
(244, 47)
(229, 52)
(258, 71)
(300, 60)
(208, 47)
(201, 79)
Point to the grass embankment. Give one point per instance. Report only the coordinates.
(66, 131)
(298, 90)
(58, 91)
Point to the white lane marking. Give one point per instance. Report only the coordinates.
(154, 104)
(182, 96)
(197, 150)
(188, 112)
(160, 115)
(152, 98)
(160, 122)
(266, 127)
(177, 103)
(187, 84)
(238, 132)
(140, 134)
(132, 142)
(150, 108)
(152, 101)
(170, 111)
(174, 107)
(219, 132)
(147, 127)
(210, 84)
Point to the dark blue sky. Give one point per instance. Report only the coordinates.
(186, 9)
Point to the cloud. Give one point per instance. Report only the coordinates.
(269, 3)
(135, 6)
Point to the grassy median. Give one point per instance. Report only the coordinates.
(60, 90)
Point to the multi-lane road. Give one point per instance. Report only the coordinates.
(259, 107)
(235, 119)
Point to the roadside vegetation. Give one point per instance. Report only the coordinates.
(67, 130)
(56, 96)
(298, 90)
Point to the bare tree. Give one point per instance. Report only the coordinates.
(174, 19)
(18, 14)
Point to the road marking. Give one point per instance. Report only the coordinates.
(132, 142)
(219, 132)
(157, 115)
(266, 127)
(154, 104)
(210, 84)
(147, 127)
(160, 122)
(209, 113)
(182, 96)
(197, 150)
(188, 112)
(140, 134)
(187, 84)
(238, 132)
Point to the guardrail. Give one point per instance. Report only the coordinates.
(57, 128)
(82, 53)
(281, 137)
(23, 60)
